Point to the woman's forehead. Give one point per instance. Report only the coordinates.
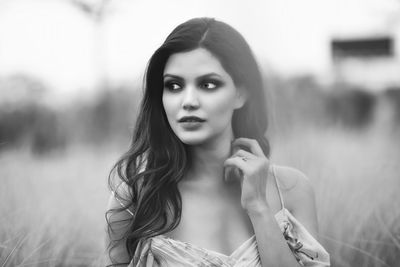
(194, 63)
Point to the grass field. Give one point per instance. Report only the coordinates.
(356, 177)
(53, 206)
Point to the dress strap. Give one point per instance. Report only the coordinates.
(277, 186)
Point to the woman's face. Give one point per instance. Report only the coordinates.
(199, 97)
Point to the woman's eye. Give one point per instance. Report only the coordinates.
(172, 86)
(209, 85)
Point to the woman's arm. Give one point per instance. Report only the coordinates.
(272, 246)
(301, 201)
(254, 167)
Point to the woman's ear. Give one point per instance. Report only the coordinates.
(241, 97)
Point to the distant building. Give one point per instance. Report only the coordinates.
(370, 62)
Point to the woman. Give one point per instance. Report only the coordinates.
(196, 187)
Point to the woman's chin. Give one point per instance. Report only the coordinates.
(201, 138)
(192, 139)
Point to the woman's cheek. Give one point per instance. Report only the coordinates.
(170, 104)
(170, 109)
(224, 108)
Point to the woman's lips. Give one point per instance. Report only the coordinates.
(191, 122)
(191, 125)
(191, 119)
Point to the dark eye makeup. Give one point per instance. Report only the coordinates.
(207, 83)
(172, 85)
(210, 84)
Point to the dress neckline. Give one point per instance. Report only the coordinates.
(277, 215)
(233, 253)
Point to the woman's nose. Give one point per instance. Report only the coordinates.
(190, 99)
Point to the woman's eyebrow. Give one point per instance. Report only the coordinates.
(172, 76)
(209, 75)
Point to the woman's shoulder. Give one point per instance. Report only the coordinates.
(290, 177)
(295, 186)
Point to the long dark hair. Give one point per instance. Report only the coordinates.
(157, 160)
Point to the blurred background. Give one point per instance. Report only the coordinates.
(70, 84)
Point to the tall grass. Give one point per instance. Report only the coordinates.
(356, 176)
(53, 206)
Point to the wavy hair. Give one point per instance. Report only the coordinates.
(157, 160)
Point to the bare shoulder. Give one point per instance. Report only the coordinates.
(291, 178)
(295, 186)
(298, 195)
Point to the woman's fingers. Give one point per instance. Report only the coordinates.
(244, 154)
(234, 168)
(252, 144)
(244, 162)
(232, 174)
(237, 162)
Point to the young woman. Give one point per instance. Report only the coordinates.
(196, 187)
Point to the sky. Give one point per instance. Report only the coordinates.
(58, 43)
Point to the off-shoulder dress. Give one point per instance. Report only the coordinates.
(162, 251)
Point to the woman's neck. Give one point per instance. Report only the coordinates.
(207, 161)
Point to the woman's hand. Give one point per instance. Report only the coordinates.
(253, 166)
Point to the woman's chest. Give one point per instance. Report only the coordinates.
(213, 222)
